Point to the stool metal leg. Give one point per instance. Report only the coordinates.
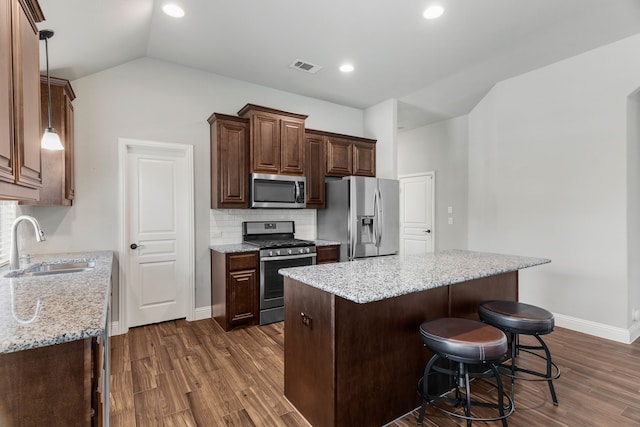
(501, 394)
(425, 386)
(549, 365)
(467, 391)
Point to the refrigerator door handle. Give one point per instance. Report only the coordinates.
(377, 225)
(379, 216)
(352, 243)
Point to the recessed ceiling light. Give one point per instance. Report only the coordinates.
(346, 68)
(173, 10)
(433, 12)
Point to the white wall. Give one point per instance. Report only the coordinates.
(548, 178)
(633, 201)
(154, 100)
(381, 123)
(441, 147)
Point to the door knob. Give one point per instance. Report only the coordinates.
(134, 246)
(427, 231)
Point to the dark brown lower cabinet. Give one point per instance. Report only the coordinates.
(234, 288)
(57, 385)
(327, 254)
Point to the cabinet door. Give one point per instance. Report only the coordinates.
(243, 296)
(229, 186)
(314, 153)
(69, 190)
(364, 159)
(292, 147)
(6, 93)
(339, 157)
(265, 143)
(26, 101)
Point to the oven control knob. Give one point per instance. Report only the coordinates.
(290, 251)
(308, 250)
(270, 253)
(278, 252)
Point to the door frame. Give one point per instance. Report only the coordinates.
(432, 174)
(124, 145)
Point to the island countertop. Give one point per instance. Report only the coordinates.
(374, 279)
(38, 311)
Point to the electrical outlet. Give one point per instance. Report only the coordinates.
(635, 315)
(306, 320)
(450, 209)
(450, 220)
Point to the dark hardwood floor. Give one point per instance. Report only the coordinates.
(194, 374)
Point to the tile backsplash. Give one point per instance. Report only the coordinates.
(226, 224)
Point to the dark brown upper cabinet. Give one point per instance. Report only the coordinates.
(20, 158)
(276, 140)
(350, 155)
(314, 166)
(58, 188)
(229, 171)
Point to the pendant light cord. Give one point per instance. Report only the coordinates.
(46, 48)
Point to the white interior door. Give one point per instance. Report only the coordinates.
(157, 234)
(416, 214)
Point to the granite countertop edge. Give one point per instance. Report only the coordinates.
(374, 279)
(73, 306)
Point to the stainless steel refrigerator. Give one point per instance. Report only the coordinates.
(363, 214)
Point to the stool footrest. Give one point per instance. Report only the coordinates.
(460, 402)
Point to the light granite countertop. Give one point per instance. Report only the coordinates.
(374, 279)
(37, 311)
(234, 247)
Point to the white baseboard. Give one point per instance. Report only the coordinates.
(115, 328)
(200, 313)
(626, 336)
(203, 313)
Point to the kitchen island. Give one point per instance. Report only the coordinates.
(53, 341)
(353, 354)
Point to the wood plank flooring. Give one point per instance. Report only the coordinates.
(194, 374)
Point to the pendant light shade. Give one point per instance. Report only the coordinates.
(50, 139)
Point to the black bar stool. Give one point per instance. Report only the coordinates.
(465, 343)
(517, 318)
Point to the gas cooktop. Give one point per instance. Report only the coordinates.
(280, 243)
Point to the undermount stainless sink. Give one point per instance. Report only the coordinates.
(54, 268)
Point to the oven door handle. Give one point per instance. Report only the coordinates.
(284, 257)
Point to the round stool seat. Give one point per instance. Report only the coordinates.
(464, 340)
(513, 316)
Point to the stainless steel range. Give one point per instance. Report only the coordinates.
(278, 249)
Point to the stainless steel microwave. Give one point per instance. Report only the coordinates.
(277, 191)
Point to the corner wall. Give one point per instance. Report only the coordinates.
(548, 177)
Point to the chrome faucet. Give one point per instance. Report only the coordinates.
(14, 259)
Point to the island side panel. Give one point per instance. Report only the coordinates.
(464, 297)
(380, 356)
(309, 357)
(47, 386)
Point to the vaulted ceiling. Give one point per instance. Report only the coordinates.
(437, 69)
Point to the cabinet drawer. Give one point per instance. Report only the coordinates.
(244, 261)
(327, 254)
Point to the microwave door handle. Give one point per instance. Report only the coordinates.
(297, 187)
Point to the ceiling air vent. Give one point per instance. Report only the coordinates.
(305, 66)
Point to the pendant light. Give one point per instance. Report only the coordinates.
(50, 139)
